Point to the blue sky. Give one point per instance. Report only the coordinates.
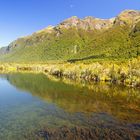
(23, 17)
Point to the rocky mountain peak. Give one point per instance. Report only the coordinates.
(130, 17)
(89, 19)
(88, 23)
(70, 22)
(130, 13)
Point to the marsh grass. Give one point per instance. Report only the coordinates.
(122, 72)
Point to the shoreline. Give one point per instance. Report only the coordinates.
(118, 73)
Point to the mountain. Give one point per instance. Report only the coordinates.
(80, 39)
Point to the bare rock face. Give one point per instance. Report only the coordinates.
(71, 22)
(98, 24)
(127, 17)
(88, 23)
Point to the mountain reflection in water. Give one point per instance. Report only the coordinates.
(32, 103)
(119, 101)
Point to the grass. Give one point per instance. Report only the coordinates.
(124, 72)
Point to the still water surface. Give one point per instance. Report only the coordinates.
(33, 102)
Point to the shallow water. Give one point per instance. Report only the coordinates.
(30, 103)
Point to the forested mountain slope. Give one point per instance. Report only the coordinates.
(80, 39)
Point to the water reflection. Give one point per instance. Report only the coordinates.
(119, 101)
(33, 102)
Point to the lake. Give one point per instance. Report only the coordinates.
(39, 107)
